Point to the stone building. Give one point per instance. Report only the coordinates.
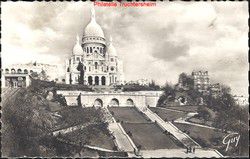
(18, 75)
(215, 90)
(201, 81)
(101, 65)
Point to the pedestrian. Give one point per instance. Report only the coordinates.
(194, 150)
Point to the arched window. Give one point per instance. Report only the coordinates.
(25, 71)
(89, 68)
(90, 49)
(87, 50)
(103, 80)
(96, 65)
(19, 71)
(96, 80)
(7, 71)
(13, 71)
(90, 80)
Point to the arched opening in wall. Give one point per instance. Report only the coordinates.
(96, 80)
(130, 102)
(19, 70)
(7, 71)
(114, 102)
(98, 102)
(103, 80)
(13, 71)
(90, 80)
(25, 71)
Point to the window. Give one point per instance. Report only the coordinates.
(87, 50)
(111, 59)
(78, 59)
(90, 50)
(96, 64)
(89, 68)
(112, 68)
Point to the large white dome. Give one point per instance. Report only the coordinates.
(77, 49)
(93, 29)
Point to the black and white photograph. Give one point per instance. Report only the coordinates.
(124, 79)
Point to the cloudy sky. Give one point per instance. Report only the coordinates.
(156, 42)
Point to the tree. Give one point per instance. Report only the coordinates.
(43, 76)
(80, 68)
(204, 113)
(153, 86)
(186, 80)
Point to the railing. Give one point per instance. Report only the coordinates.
(129, 139)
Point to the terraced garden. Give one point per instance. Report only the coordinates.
(150, 136)
(95, 135)
(128, 114)
(72, 116)
(167, 114)
(184, 108)
(206, 137)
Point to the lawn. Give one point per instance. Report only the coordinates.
(168, 115)
(204, 136)
(72, 116)
(95, 135)
(128, 114)
(187, 108)
(150, 136)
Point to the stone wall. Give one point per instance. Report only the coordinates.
(123, 99)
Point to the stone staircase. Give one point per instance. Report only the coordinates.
(107, 115)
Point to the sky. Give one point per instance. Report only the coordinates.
(157, 43)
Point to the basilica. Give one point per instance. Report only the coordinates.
(101, 65)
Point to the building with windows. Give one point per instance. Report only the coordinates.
(201, 81)
(215, 90)
(241, 100)
(101, 65)
(18, 75)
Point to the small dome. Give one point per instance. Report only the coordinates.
(93, 29)
(111, 49)
(77, 50)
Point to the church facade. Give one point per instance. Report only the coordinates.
(97, 58)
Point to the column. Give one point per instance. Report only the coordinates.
(27, 81)
(3, 81)
(100, 80)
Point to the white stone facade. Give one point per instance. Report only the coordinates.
(99, 58)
